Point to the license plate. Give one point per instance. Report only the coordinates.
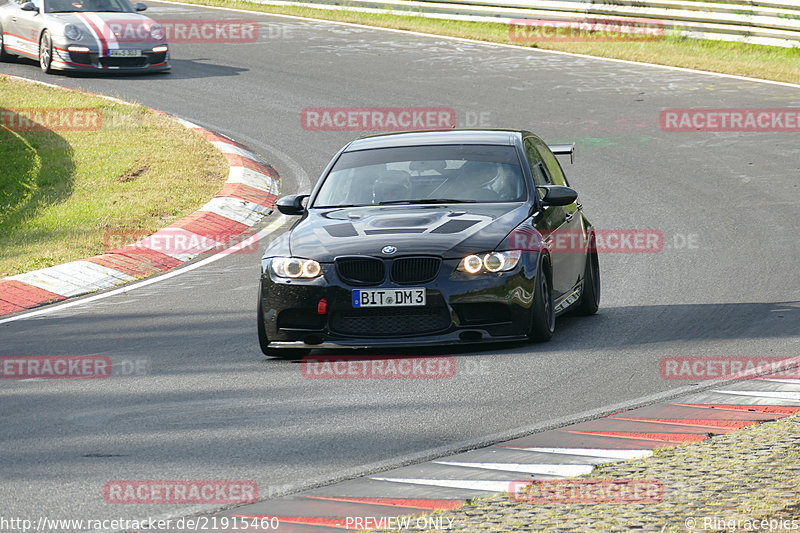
(124, 52)
(388, 297)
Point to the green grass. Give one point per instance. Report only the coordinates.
(61, 192)
(767, 62)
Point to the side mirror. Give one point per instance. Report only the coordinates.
(28, 6)
(557, 195)
(292, 204)
(138, 6)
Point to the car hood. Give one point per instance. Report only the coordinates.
(447, 231)
(114, 28)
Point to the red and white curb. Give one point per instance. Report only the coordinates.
(248, 195)
(447, 483)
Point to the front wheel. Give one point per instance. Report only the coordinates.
(45, 52)
(590, 299)
(263, 340)
(543, 316)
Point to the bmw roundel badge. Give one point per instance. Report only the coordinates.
(388, 250)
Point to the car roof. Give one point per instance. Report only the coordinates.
(434, 137)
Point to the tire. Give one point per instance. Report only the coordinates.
(590, 298)
(45, 52)
(263, 341)
(543, 317)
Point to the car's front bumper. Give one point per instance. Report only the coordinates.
(461, 308)
(149, 61)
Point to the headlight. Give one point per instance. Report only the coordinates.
(472, 264)
(156, 32)
(72, 32)
(294, 267)
(490, 262)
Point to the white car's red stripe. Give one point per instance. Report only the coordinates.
(105, 30)
(96, 33)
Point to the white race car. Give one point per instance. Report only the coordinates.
(87, 35)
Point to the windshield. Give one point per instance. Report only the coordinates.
(82, 6)
(424, 174)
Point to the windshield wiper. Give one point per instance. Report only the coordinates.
(338, 206)
(429, 201)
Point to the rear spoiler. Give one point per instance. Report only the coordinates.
(564, 149)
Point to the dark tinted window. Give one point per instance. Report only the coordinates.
(538, 169)
(67, 6)
(467, 173)
(553, 168)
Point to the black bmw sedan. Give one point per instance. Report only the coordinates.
(435, 237)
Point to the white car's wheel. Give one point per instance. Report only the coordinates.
(45, 52)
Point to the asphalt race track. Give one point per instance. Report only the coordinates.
(211, 407)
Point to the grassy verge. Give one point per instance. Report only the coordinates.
(61, 191)
(767, 62)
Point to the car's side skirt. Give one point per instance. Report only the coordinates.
(21, 45)
(569, 299)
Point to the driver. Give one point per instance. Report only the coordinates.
(506, 184)
(474, 179)
(99, 5)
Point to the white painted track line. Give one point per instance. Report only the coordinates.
(538, 468)
(622, 455)
(469, 484)
(787, 396)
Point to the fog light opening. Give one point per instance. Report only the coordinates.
(312, 339)
(470, 336)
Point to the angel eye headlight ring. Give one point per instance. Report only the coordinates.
(491, 262)
(295, 267)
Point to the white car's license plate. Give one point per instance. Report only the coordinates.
(124, 52)
(388, 297)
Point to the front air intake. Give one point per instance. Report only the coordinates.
(414, 270)
(360, 270)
